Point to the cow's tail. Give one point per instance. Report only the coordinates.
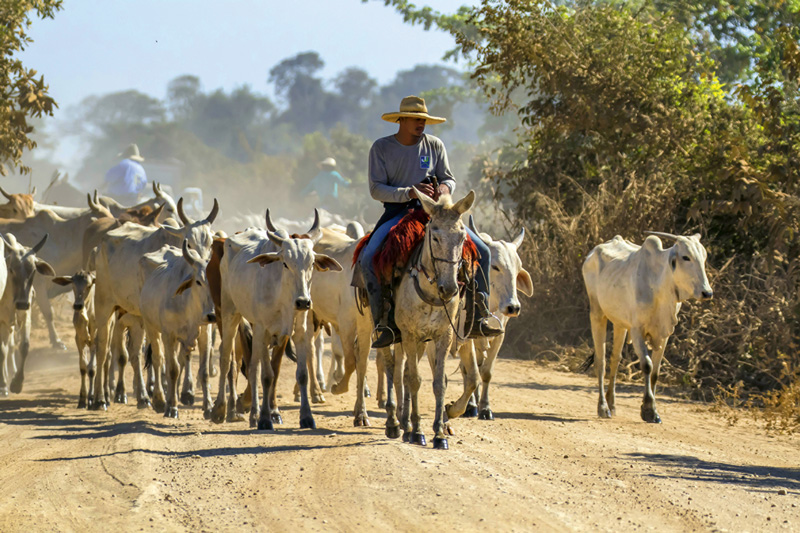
(587, 363)
(148, 356)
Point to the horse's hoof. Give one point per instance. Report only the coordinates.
(603, 412)
(308, 423)
(172, 412)
(159, 406)
(486, 414)
(16, 385)
(440, 444)
(187, 398)
(361, 421)
(318, 398)
(650, 415)
(265, 424)
(392, 432)
(143, 403)
(418, 439)
(121, 398)
(276, 418)
(471, 411)
(218, 413)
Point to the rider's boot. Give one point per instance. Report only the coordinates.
(383, 318)
(480, 322)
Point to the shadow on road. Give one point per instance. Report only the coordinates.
(753, 476)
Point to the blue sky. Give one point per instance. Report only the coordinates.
(103, 46)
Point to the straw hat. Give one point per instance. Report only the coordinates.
(131, 152)
(413, 107)
(328, 162)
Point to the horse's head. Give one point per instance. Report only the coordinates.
(444, 239)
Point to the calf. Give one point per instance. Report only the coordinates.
(640, 290)
(85, 329)
(174, 301)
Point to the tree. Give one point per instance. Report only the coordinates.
(21, 94)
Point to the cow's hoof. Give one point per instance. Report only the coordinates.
(265, 424)
(235, 416)
(603, 411)
(392, 432)
(143, 403)
(171, 412)
(16, 385)
(187, 398)
(440, 444)
(361, 421)
(471, 411)
(159, 406)
(418, 439)
(486, 414)
(308, 423)
(218, 413)
(277, 418)
(58, 345)
(649, 414)
(381, 404)
(121, 398)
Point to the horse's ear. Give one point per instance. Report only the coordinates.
(463, 205)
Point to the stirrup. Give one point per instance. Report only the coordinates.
(386, 337)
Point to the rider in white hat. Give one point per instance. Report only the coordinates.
(125, 180)
(401, 167)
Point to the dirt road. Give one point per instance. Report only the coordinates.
(546, 463)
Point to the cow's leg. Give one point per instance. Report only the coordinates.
(83, 364)
(648, 410)
(302, 342)
(469, 366)
(24, 329)
(134, 349)
(43, 301)
(172, 353)
(616, 355)
(486, 370)
(204, 343)
(187, 391)
(157, 347)
(119, 360)
(443, 344)
(414, 350)
(392, 423)
(5, 331)
(599, 323)
(230, 324)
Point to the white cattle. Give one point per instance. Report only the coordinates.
(63, 252)
(265, 279)
(174, 302)
(640, 290)
(83, 320)
(506, 278)
(20, 268)
(117, 287)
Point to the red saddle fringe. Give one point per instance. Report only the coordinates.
(401, 242)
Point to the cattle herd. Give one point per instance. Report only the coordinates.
(151, 285)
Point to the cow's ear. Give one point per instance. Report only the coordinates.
(185, 284)
(265, 259)
(62, 280)
(524, 282)
(323, 263)
(44, 268)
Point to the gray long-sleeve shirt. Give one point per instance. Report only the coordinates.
(394, 167)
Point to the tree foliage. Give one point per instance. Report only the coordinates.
(22, 95)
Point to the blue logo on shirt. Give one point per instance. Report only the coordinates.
(425, 161)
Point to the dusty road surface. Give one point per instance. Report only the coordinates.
(546, 463)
